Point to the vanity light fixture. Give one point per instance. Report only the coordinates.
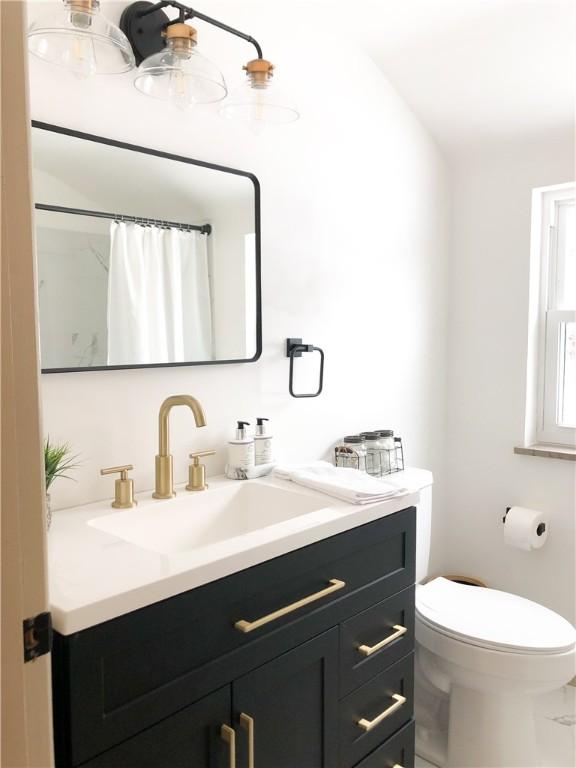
(79, 38)
(171, 68)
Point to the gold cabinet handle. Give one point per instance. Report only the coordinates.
(367, 725)
(229, 736)
(368, 650)
(247, 722)
(249, 626)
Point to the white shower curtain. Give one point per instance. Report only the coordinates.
(159, 307)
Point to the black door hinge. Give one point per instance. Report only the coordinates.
(37, 633)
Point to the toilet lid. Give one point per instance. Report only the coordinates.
(492, 619)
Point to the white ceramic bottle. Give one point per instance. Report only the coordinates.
(262, 443)
(240, 454)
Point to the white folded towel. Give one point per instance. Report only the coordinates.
(346, 484)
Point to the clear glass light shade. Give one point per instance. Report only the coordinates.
(79, 38)
(260, 104)
(182, 76)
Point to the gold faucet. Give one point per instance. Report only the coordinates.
(164, 480)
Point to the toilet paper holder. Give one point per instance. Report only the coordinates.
(540, 530)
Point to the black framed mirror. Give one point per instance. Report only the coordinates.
(144, 258)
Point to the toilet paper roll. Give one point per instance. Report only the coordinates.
(525, 528)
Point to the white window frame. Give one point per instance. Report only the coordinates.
(547, 202)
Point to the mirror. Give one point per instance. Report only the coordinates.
(143, 258)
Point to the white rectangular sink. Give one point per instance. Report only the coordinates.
(194, 520)
(104, 563)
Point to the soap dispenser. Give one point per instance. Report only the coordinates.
(240, 453)
(262, 443)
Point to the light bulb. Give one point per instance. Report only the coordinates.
(80, 57)
(178, 91)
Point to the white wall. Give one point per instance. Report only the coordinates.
(354, 216)
(487, 384)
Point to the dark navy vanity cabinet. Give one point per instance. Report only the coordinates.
(232, 674)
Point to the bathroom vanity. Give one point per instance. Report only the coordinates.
(302, 660)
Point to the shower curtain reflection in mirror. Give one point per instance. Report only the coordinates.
(159, 308)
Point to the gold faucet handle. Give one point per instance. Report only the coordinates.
(124, 486)
(199, 454)
(123, 469)
(197, 472)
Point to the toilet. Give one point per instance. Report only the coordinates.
(489, 654)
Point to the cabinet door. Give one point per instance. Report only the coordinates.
(291, 708)
(191, 737)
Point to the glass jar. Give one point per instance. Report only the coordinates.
(373, 457)
(355, 457)
(388, 447)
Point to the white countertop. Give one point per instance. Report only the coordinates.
(95, 576)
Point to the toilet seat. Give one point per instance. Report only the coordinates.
(492, 619)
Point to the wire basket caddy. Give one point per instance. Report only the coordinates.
(379, 463)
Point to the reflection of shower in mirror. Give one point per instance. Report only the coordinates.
(160, 267)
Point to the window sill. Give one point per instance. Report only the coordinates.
(548, 451)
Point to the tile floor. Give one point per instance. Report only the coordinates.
(556, 727)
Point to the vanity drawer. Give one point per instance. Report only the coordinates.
(121, 677)
(396, 752)
(372, 713)
(376, 638)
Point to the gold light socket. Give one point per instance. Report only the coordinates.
(183, 36)
(259, 71)
(182, 31)
(85, 6)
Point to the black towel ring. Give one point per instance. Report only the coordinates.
(295, 348)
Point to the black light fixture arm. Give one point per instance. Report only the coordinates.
(185, 12)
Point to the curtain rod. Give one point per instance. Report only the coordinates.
(204, 229)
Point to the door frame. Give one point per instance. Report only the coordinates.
(26, 716)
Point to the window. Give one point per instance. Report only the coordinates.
(554, 216)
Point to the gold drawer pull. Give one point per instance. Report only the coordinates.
(247, 722)
(367, 725)
(248, 626)
(368, 650)
(229, 736)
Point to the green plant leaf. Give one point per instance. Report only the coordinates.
(58, 461)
